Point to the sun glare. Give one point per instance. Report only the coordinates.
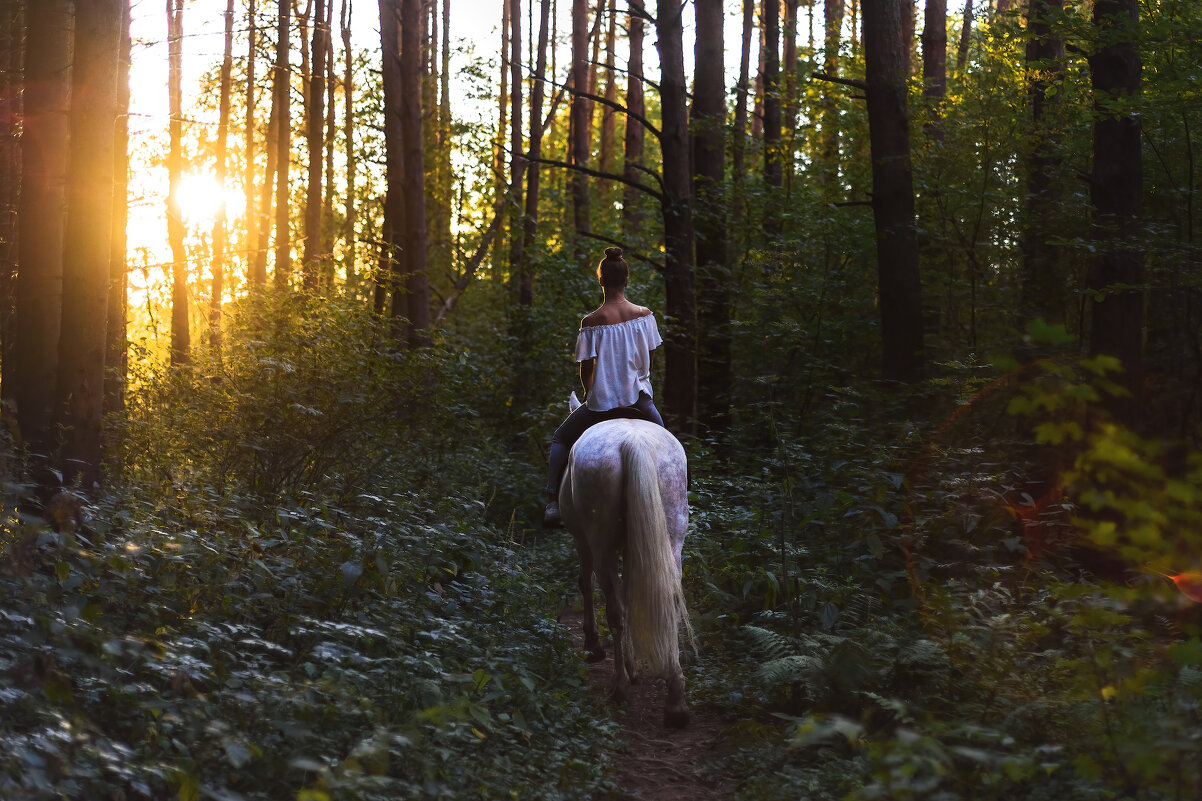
(200, 199)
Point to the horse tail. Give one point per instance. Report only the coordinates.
(655, 597)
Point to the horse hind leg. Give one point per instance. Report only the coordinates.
(676, 711)
(595, 652)
(615, 614)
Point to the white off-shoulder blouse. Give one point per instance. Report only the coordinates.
(623, 354)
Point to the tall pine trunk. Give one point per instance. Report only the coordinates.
(283, 148)
(10, 188)
(256, 269)
(390, 270)
(530, 220)
(738, 147)
(609, 120)
(829, 147)
(348, 134)
(315, 139)
(517, 240)
(1116, 269)
(88, 237)
(886, 52)
(680, 370)
(635, 135)
(116, 351)
(934, 64)
(44, 140)
(965, 38)
(219, 221)
(709, 191)
(181, 336)
(579, 128)
(773, 154)
(414, 174)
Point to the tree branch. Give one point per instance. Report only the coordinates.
(655, 265)
(628, 73)
(852, 82)
(611, 103)
(610, 176)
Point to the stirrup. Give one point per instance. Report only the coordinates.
(551, 518)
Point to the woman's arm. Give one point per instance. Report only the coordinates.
(587, 372)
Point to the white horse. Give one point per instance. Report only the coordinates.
(625, 492)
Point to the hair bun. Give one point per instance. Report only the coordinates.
(613, 253)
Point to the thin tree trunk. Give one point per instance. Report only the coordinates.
(829, 150)
(264, 217)
(788, 83)
(414, 174)
(219, 233)
(1116, 270)
(537, 86)
(10, 187)
(315, 129)
(283, 145)
(116, 352)
(773, 156)
(181, 345)
(329, 270)
(256, 269)
(389, 274)
(580, 126)
(899, 287)
(348, 133)
(738, 147)
(1043, 290)
(609, 120)
(516, 157)
(680, 370)
(934, 64)
(442, 232)
(709, 189)
(44, 138)
(965, 38)
(633, 140)
(502, 107)
(87, 243)
(757, 113)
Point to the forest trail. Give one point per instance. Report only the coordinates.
(657, 764)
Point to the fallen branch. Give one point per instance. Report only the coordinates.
(852, 82)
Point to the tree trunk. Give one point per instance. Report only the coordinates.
(264, 216)
(530, 222)
(633, 140)
(580, 126)
(899, 286)
(181, 344)
(502, 107)
(738, 146)
(389, 275)
(329, 271)
(788, 83)
(315, 130)
(829, 149)
(40, 236)
(773, 157)
(442, 232)
(517, 257)
(934, 64)
(283, 146)
(219, 233)
(86, 246)
(116, 352)
(256, 269)
(965, 38)
(609, 120)
(348, 133)
(679, 349)
(11, 26)
(709, 190)
(414, 174)
(1043, 291)
(1116, 270)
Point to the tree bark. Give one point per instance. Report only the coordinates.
(116, 351)
(414, 174)
(11, 25)
(181, 344)
(580, 126)
(788, 83)
(502, 107)
(517, 240)
(680, 371)
(1043, 291)
(934, 64)
(738, 146)
(86, 246)
(533, 177)
(315, 134)
(256, 269)
(709, 190)
(389, 274)
(773, 158)
(219, 232)
(283, 147)
(1116, 270)
(328, 268)
(348, 134)
(633, 139)
(899, 286)
(829, 149)
(965, 38)
(40, 224)
(609, 120)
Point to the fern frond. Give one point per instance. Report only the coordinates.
(768, 645)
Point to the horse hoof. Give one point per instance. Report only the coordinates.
(677, 718)
(595, 655)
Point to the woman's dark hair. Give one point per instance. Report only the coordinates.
(613, 271)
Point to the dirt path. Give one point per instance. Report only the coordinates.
(658, 764)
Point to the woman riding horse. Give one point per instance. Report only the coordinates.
(614, 351)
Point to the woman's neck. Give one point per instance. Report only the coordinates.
(616, 295)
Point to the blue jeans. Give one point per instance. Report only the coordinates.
(578, 421)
